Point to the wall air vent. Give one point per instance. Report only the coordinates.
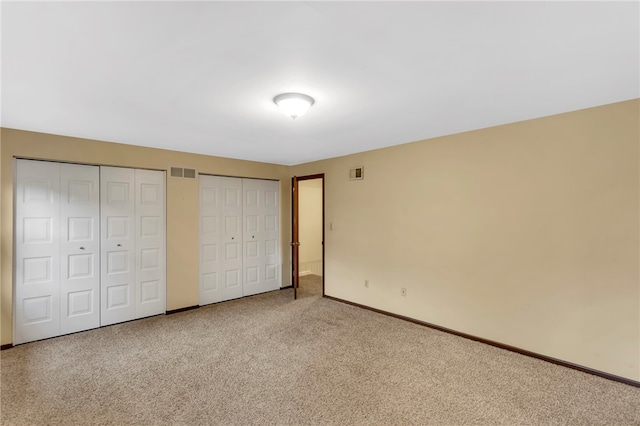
(356, 173)
(179, 172)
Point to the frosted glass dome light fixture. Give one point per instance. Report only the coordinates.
(293, 104)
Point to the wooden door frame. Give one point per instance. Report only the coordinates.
(296, 212)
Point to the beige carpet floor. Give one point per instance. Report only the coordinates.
(269, 360)
(310, 286)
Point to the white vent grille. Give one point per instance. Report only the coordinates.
(179, 172)
(356, 173)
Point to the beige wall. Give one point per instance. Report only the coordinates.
(310, 225)
(526, 234)
(182, 203)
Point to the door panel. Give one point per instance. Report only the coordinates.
(79, 248)
(220, 239)
(150, 243)
(37, 244)
(260, 236)
(232, 238)
(118, 278)
(271, 243)
(211, 258)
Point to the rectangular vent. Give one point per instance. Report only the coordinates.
(179, 172)
(356, 173)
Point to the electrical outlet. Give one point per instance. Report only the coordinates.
(366, 283)
(403, 291)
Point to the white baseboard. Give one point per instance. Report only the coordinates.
(311, 267)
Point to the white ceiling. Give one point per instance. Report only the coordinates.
(200, 76)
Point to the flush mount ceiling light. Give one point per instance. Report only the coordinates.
(293, 104)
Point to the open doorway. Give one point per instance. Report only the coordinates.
(308, 231)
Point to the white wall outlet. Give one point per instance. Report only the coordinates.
(403, 291)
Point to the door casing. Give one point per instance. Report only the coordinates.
(295, 234)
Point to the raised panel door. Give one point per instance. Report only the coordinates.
(150, 288)
(271, 236)
(79, 248)
(261, 267)
(210, 243)
(231, 238)
(37, 251)
(117, 227)
(220, 238)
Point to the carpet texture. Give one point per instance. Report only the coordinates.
(268, 359)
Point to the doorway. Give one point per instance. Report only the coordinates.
(308, 235)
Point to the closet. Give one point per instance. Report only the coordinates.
(89, 247)
(239, 237)
(132, 244)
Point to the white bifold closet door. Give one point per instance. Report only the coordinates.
(57, 281)
(150, 243)
(220, 239)
(239, 249)
(260, 235)
(79, 248)
(90, 247)
(132, 244)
